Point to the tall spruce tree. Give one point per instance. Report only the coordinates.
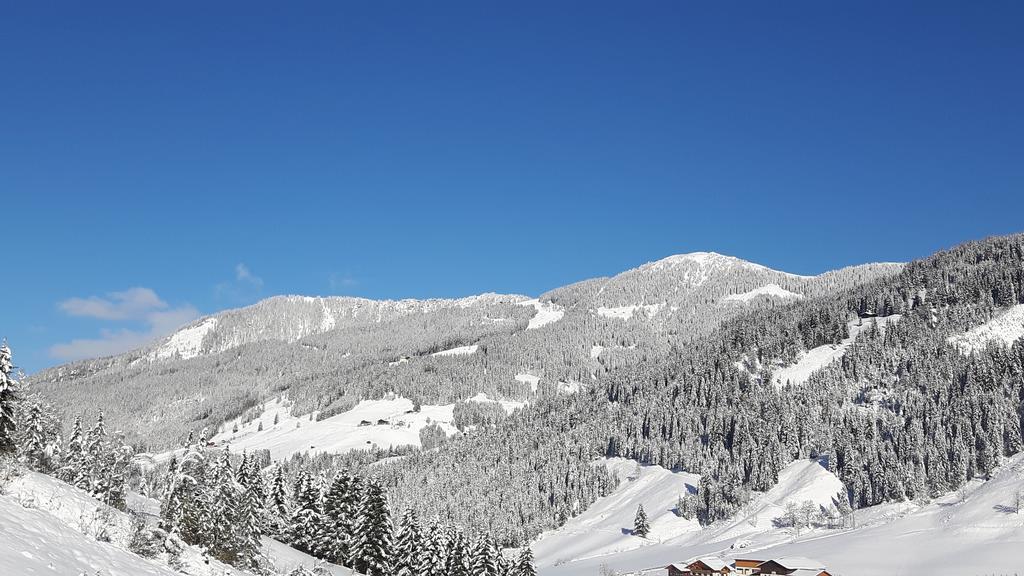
(371, 544)
(640, 526)
(8, 398)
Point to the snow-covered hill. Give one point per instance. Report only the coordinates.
(973, 531)
(49, 527)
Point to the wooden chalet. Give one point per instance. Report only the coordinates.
(709, 566)
(715, 566)
(793, 566)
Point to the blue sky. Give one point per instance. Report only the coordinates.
(163, 161)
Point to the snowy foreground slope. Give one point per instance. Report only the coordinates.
(49, 527)
(972, 532)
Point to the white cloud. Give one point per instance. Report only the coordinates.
(131, 304)
(246, 286)
(139, 306)
(244, 275)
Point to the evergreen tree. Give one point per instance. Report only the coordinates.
(72, 469)
(340, 503)
(524, 564)
(640, 526)
(371, 543)
(305, 521)
(8, 398)
(37, 448)
(409, 548)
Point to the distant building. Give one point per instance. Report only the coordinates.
(709, 566)
(678, 570)
(715, 566)
(793, 566)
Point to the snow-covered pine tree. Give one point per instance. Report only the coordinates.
(8, 398)
(456, 561)
(72, 469)
(435, 557)
(249, 527)
(225, 495)
(496, 558)
(185, 510)
(640, 526)
(524, 564)
(305, 521)
(36, 449)
(371, 544)
(339, 518)
(278, 502)
(481, 562)
(409, 549)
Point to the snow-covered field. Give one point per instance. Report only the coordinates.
(381, 423)
(821, 356)
(770, 290)
(1005, 329)
(604, 527)
(458, 351)
(547, 312)
(977, 532)
(627, 312)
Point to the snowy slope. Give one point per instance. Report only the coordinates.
(1005, 329)
(359, 428)
(49, 527)
(547, 312)
(604, 527)
(33, 541)
(355, 429)
(821, 356)
(588, 541)
(979, 534)
(770, 290)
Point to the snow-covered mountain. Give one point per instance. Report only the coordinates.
(332, 352)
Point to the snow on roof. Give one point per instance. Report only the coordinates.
(713, 562)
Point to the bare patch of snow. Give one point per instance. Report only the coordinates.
(627, 312)
(386, 422)
(547, 312)
(458, 351)
(821, 356)
(510, 406)
(770, 290)
(529, 379)
(1005, 329)
(187, 342)
(596, 350)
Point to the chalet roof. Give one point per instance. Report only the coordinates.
(678, 566)
(799, 562)
(807, 572)
(712, 562)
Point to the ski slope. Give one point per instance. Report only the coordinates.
(817, 358)
(976, 532)
(589, 541)
(1005, 329)
(604, 527)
